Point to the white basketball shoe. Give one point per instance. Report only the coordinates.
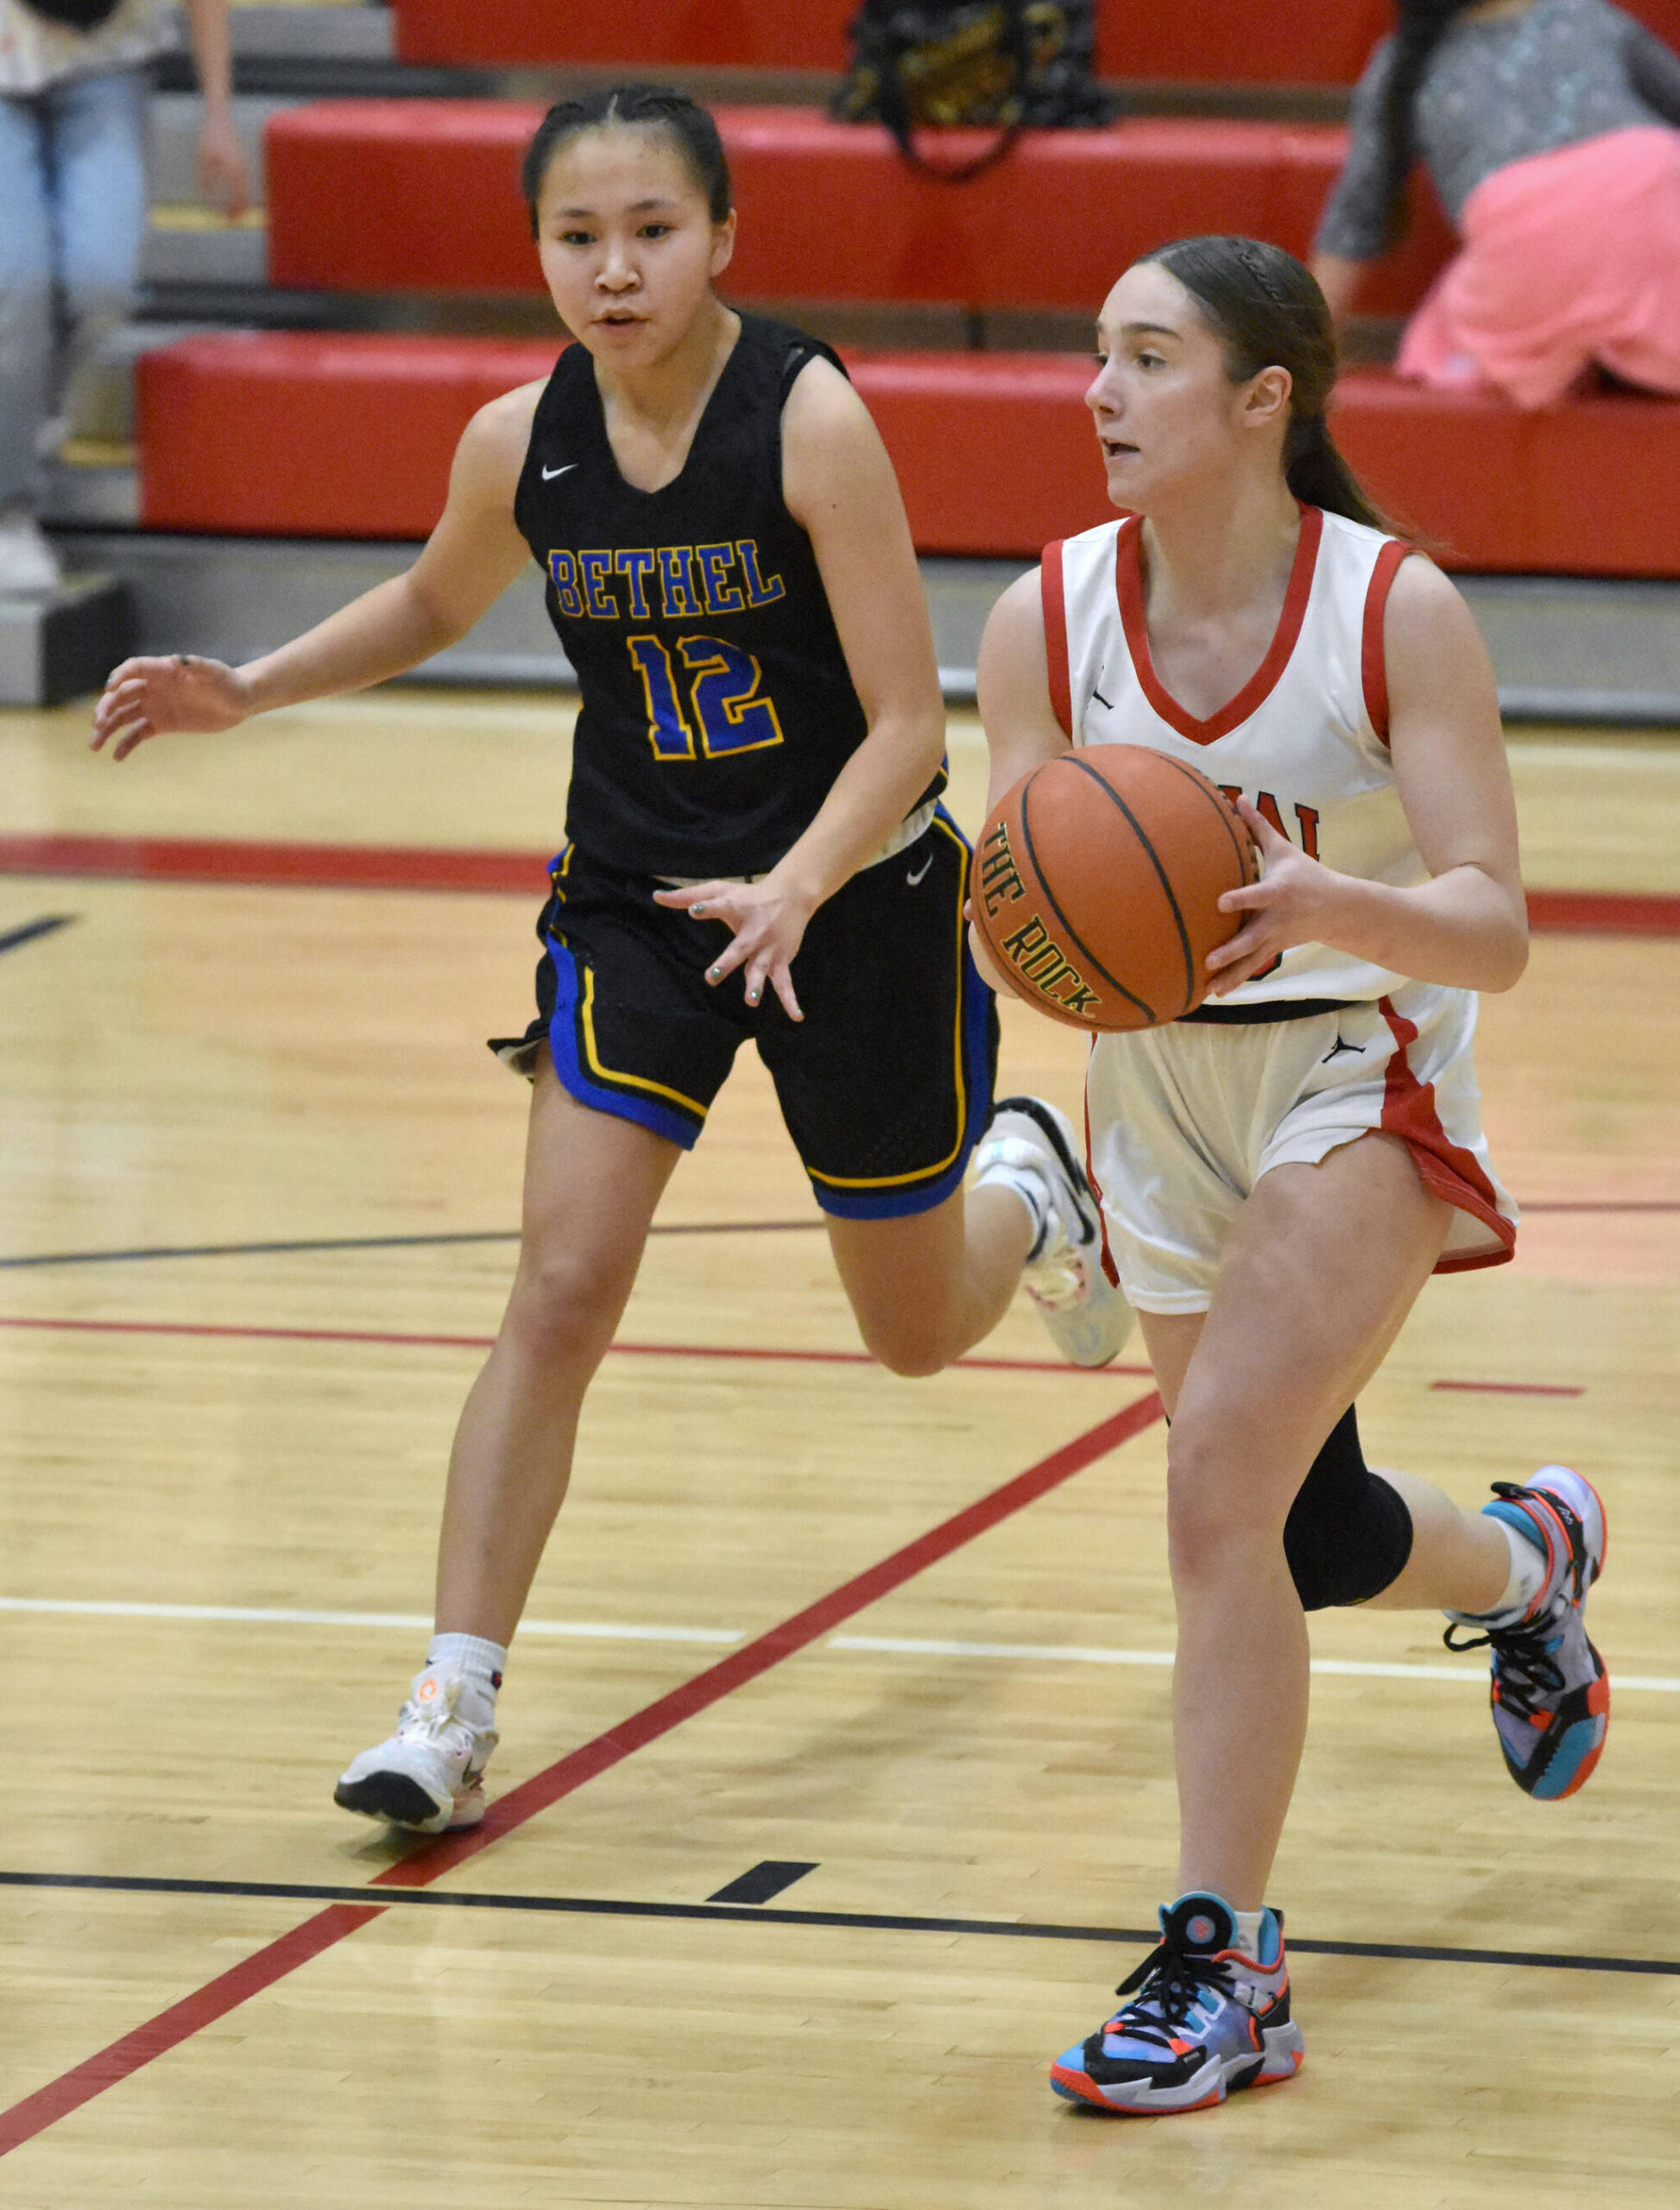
(1031, 1148)
(429, 1775)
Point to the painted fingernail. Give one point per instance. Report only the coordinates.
(713, 973)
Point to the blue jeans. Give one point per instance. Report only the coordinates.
(72, 185)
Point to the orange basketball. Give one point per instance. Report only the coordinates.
(1096, 884)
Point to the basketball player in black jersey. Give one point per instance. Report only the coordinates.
(754, 850)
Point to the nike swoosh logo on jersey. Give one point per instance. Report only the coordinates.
(913, 880)
(549, 474)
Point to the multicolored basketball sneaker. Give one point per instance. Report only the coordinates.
(1205, 2020)
(429, 1775)
(1551, 1692)
(1031, 1146)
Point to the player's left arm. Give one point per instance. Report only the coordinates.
(840, 488)
(1467, 926)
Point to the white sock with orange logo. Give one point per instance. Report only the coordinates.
(477, 1665)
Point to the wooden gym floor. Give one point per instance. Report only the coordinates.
(259, 1177)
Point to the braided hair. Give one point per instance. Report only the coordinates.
(1267, 311)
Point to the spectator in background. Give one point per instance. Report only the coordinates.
(74, 94)
(1548, 129)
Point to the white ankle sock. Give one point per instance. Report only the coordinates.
(1528, 1573)
(477, 1665)
(1027, 1182)
(1249, 1931)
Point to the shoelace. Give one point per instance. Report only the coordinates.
(434, 1720)
(1527, 1668)
(1059, 1282)
(1173, 1979)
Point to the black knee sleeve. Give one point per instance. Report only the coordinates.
(1348, 1534)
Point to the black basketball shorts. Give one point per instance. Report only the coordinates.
(885, 1086)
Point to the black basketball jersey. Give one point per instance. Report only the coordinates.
(718, 707)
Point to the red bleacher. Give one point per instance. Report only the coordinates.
(654, 35)
(1215, 41)
(994, 451)
(355, 432)
(422, 195)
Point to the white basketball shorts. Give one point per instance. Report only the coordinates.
(1185, 1119)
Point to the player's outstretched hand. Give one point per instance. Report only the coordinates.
(769, 925)
(155, 697)
(1292, 903)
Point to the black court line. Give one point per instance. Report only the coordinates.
(763, 1881)
(374, 1242)
(46, 926)
(862, 1921)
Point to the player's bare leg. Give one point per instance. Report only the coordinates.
(1318, 1277)
(591, 1183)
(930, 1286)
(1321, 1270)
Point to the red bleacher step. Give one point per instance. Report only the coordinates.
(1213, 42)
(423, 195)
(654, 35)
(1217, 41)
(353, 436)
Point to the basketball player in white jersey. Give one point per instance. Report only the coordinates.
(1282, 1171)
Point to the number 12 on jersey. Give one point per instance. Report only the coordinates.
(724, 712)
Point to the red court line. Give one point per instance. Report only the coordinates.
(385, 1336)
(181, 2021)
(1600, 1205)
(299, 866)
(485, 1343)
(1514, 1388)
(169, 2028)
(792, 1635)
(1603, 912)
(374, 867)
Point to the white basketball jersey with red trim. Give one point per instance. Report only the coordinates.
(1305, 740)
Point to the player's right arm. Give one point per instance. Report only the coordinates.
(1013, 685)
(469, 561)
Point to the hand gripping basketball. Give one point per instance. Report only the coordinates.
(1097, 881)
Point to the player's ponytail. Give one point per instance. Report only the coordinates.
(654, 107)
(1268, 312)
(1316, 473)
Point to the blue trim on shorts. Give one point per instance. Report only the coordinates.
(923, 1196)
(662, 1119)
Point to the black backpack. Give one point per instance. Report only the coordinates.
(80, 15)
(1007, 65)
